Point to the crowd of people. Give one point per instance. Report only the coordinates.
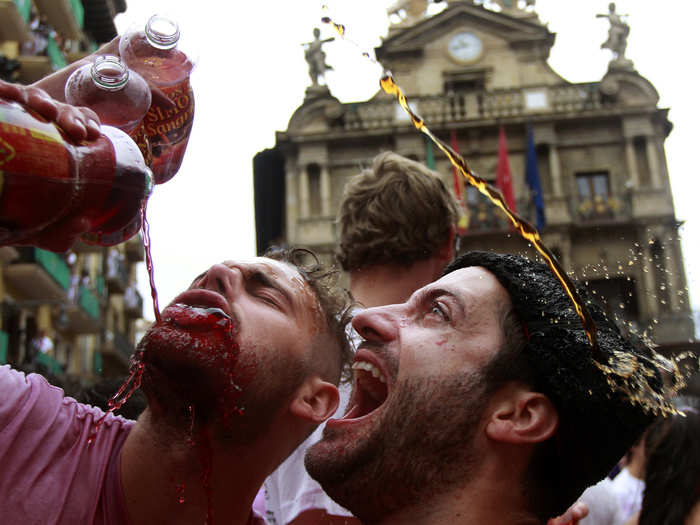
(474, 395)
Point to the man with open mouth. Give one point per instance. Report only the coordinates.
(479, 400)
(238, 371)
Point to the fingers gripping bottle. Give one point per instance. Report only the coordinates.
(153, 54)
(120, 97)
(52, 191)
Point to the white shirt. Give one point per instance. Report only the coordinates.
(629, 491)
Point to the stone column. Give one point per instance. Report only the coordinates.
(678, 285)
(555, 170)
(304, 210)
(632, 170)
(325, 191)
(653, 158)
(291, 185)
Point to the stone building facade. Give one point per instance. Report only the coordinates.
(468, 70)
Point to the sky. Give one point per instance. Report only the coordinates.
(251, 76)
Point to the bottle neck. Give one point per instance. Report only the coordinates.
(161, 32)
(109, 73)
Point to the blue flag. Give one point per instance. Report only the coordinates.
(532, 177)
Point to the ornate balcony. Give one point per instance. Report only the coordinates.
(456, 107)
(601, 209)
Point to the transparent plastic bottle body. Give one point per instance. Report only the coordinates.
(53, 191)
(121, 98)
(153, 53)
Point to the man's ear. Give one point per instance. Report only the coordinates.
(315, 401)
(522, 416)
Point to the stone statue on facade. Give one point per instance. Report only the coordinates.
(617, 34)
(315, 57)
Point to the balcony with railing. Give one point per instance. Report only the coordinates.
(600, 209)
(456, 107)
(84, 316)
(486, 219)
(38, 275)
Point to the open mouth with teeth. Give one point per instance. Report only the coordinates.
(370, 392)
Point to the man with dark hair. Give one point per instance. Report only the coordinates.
(479, 400)
(238, 371)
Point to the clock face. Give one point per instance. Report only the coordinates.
(465, 47)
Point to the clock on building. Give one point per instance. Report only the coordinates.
(465, 47)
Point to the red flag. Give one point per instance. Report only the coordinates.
(463, 221)
(503, 179)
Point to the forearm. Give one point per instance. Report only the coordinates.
(54, 84)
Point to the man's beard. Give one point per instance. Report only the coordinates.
(421, 446)
(238, 396)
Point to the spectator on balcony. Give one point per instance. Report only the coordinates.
(40, 344)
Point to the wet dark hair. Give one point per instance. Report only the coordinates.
(672, 450)
(334, 301)
(597, 422)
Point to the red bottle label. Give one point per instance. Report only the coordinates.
(168, 129)
(139, 136)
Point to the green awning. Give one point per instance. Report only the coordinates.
(25, 8)
(4, 341)
(55, 54)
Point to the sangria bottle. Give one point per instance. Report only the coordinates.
(153, 53)
(120, 97)
(52, 191)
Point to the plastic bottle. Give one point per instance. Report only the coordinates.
(120, 97)
(153, 53)
(52, 191)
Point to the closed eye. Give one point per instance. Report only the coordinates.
(263, 288)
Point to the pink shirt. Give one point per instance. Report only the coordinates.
(48, 472)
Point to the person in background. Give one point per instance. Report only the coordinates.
(628, 485)
(672, 472)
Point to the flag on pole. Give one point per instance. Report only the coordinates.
(458, 179)
(532, 177)
(503, 179)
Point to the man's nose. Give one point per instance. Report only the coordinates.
(222, 279)
(377, 324)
